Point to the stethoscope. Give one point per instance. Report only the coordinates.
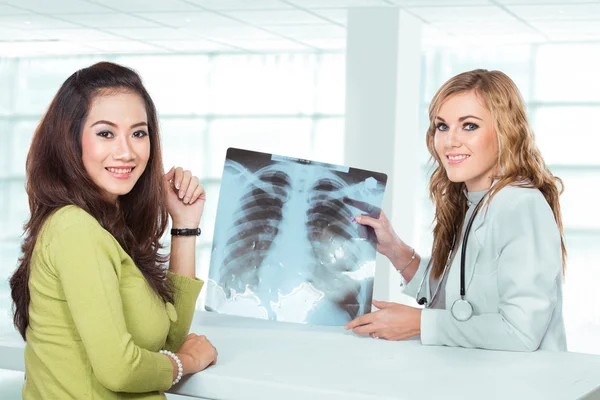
(461, 309)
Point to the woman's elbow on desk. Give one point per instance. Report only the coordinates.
(487, 331)
(131, 369)
(116, 380)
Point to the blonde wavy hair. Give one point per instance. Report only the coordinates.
(519, 159)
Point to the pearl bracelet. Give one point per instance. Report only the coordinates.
(179, 366)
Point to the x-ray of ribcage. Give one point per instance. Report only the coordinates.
(286, 246)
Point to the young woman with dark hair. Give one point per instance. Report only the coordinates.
(100, 314)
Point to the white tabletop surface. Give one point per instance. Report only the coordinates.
(267, 360)
(272, 360)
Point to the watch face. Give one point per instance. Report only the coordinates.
(286, 246)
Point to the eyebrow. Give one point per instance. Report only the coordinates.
(461, 119)
(115, 125)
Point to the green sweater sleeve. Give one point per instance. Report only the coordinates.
(186, 291)
(88, 265)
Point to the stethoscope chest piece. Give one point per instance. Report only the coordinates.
(462, 310)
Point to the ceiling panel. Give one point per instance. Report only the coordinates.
(242, 4)
(33, 21)
(169, 26)
(316, 4)
(153, 33)
(429, 3)
(336, 15)
(231, 32)
(108, 21)
(270, 45)
(77, 35)
(9, 10)
(148, 5)
(322, 31)
(276, 17)
(190, 19)
(197, 45)
(58, 7)
(558, 12)
(451, 15)
(534, 2)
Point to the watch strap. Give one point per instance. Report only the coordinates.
(186, 232)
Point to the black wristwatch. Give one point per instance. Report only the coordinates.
(186, 232)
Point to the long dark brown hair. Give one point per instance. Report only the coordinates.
(519, 158)
(56, 177)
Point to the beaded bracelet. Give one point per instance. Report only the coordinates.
(401, 270)
(179, 366)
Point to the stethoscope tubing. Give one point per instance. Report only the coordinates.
(461, 315)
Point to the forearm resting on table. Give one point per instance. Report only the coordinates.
(183, 256)
(185, 363)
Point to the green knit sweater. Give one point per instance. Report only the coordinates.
(95, 325)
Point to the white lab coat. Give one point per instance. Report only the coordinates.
(513, 280)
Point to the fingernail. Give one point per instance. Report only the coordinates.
(181, 194)
(177, 185)
(186, 200)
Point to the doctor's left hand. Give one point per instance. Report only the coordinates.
(392, 321)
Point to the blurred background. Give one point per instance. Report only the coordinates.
(286, 76)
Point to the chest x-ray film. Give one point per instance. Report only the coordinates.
(286, 246)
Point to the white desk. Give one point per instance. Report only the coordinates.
(266, 360)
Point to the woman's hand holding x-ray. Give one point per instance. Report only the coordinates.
(185, 198)
(388, 242)
(392, 321)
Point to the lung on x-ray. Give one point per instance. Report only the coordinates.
(286, 246)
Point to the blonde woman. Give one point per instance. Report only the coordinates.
(494, 279)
